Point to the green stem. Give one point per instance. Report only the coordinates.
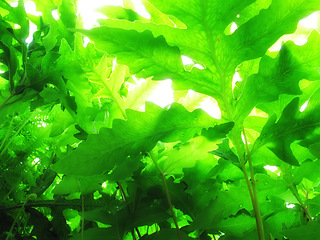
(167, 194)
(9, 234)
(17, 132)
(82, 217)
(294, 191)
(2, 105)
(259, 220)
(124, 197)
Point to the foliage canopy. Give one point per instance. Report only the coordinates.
(84, 155)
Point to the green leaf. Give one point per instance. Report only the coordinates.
(138, 96)
(309, 170)
(139, 133)
(196, 149)
(291, 126)
(166, 234)
(200, 184)
(98, 234)
(187, 155)
(226, 204)
(252, 39)
(71, 184)
(307, 232)
(280, 75)
(225, 152)
(118, 12)
(67, 9)
(236, 226)
(62, 121)
(148, 56)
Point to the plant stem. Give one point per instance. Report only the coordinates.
(167, 194)
(17, 132)
(124, 197)
(16, 218)
(294, 191)
(82, 217)
(2, 105)
(254, 191)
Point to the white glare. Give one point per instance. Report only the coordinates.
(233, 27)
(271, 168)
(31, 8)
(299, 39)
(32, 29)
(236, 78)
(211, 107)
(198, 66)
(310, 21)
(36, 160)
(86, 40)
(141, 9)
(290, 205)
(55, 14)
(163, 94)
(87, 10)
(104, 185)
(14, 4)
(304, 106)
(186, 60)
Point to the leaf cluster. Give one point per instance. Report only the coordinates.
(85, 155)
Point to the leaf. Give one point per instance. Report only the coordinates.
(147, 56)
(98, 234)
(111, 87)
(118, 12)
(62, 121)
(67, 9)
(138, 96)
(307, 232)
(71, 184)
(226, 204)
(315, 149)
(225, 152)
(166, 234)
(309, 170)
(200, 184)
(236, 226)
(280, 75)
(252, 39)
(196, 149)
(139, 133)
(186, 157)
(291, 126)
(203, 39)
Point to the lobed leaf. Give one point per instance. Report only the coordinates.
(292, 125)
(280, 75)
(101, 152)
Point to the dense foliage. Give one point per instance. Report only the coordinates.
(84, 155)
